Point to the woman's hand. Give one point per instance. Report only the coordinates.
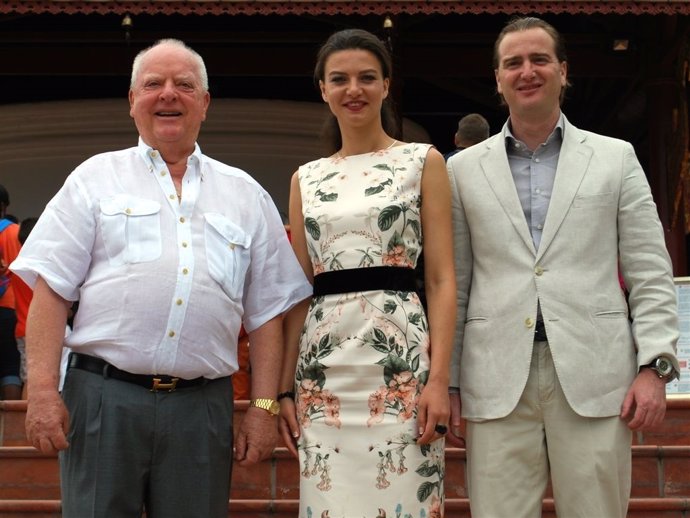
(289, 428)
(433, 412)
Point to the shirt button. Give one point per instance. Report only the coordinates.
(172, 196)
(178, 302)
(171, 334)
(536, 160)
(182, 220)
(184, 244)
(162, 172)
(185, 271)
(154, 154)
(538, 191)
(128, 211)
(529, 322)
(232, 246)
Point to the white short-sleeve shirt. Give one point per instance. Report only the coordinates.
(163, 285)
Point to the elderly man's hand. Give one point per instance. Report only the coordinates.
(256, 438)
(47, 421)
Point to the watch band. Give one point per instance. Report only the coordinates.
(269, 405)
(287, 394)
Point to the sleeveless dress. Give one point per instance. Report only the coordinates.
(364, 356)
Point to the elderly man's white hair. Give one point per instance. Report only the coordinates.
(203, 76)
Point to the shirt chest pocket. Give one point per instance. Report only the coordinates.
(131, 229)
(227, 253)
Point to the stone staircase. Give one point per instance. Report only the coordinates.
(29, 485)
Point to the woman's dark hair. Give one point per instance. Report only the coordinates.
(355, 39)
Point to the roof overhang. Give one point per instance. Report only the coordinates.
(345, 7)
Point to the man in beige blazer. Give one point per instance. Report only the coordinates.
(550, 360)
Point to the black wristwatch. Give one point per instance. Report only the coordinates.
(663, 367)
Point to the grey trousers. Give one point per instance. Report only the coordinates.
(169, 454)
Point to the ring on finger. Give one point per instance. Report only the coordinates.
(441, 429)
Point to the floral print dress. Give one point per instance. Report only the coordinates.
(364, 356)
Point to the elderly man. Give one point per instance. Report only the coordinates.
(168, 251)
(552, 373)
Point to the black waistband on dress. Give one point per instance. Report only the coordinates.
(392, 278)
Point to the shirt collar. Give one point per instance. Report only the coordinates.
(555, 136)
(149, 153)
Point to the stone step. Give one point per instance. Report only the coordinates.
(30, 509)
(28, 474)
(675, 430)
(29, 483)
(658, 472)
(455, 508)
(12, 414)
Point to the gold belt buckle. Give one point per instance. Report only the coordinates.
(157, 385)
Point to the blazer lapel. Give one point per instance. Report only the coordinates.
(496, 169)
(573, 161)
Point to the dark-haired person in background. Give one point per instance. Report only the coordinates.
(22, 298)
(473, 128)
(10, 380)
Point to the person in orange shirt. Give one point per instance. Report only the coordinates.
(241, 379)
(22, 298)
(10, 383)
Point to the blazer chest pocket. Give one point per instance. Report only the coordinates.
(588, 201)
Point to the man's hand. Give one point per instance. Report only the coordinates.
(644, 406)
(454, 437)
(256, 438)
(47, 421)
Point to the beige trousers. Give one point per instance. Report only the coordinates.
(509, 460)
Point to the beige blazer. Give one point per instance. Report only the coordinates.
(601, 208)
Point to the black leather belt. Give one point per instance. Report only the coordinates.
(540, 332)
(153, 383)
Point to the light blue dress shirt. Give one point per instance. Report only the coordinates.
(534, 172)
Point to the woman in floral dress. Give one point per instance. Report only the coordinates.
(365, 386)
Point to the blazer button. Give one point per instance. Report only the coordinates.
(539, 270)
(529, 322)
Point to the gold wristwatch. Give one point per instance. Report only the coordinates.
(269, 405)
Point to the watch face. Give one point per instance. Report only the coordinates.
(664, 366)
(274, 408)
